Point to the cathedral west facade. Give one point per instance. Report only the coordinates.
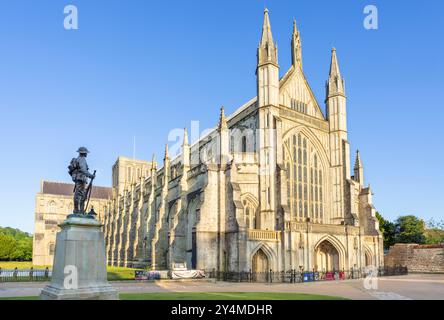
(271, 187)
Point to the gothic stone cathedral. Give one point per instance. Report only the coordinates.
(269, 188)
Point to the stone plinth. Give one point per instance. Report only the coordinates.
(79, 270)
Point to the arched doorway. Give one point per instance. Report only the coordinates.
(368, 259)
(327, 257)
(260, 265)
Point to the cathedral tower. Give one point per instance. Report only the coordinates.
(339, 146)
(268, 102)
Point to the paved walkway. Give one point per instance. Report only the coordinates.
(412, 286)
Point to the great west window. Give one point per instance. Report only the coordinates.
(305, 179)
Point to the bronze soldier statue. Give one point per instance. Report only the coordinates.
(78, 169)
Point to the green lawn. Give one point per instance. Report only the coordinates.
(212, 296)
(21, 298)
(120, 273)
(19, 265)
(114, 273)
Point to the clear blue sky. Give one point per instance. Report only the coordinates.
(142, 68)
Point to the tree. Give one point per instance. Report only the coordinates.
(15, 245)
(388, 230)
(435, 232)
(409, 229)
(7, 247)
(433, 224)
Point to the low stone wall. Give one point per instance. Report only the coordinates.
(417, 258)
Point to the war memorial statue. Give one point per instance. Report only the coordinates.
(79, 172)
(79, 268)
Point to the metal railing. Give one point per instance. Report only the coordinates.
(298, 276)
(289, 276)
(11, 275)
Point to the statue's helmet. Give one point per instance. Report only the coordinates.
(82, 150)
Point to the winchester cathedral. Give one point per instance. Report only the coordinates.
(271, 187)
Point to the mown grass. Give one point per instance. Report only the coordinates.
(120, 273)
(21, 298)
(19, 265)
(213, 296)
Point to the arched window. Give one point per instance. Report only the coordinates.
(52, 207)
(316, 187)
(288, 172)
(244, 144)
(251, 214)
(304, 179)
(128, 176)
(51, 249)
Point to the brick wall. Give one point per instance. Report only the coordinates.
(417, 258)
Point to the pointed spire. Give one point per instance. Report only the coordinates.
(166, 153)
(222, 119)
(267, 51)
(267, 36)
(223, 139)
(185, 149)
(296, 46)
(359, 169)
(335, 83)
(334, 66)
(185, 137)
(358, 163)
(153, 162)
